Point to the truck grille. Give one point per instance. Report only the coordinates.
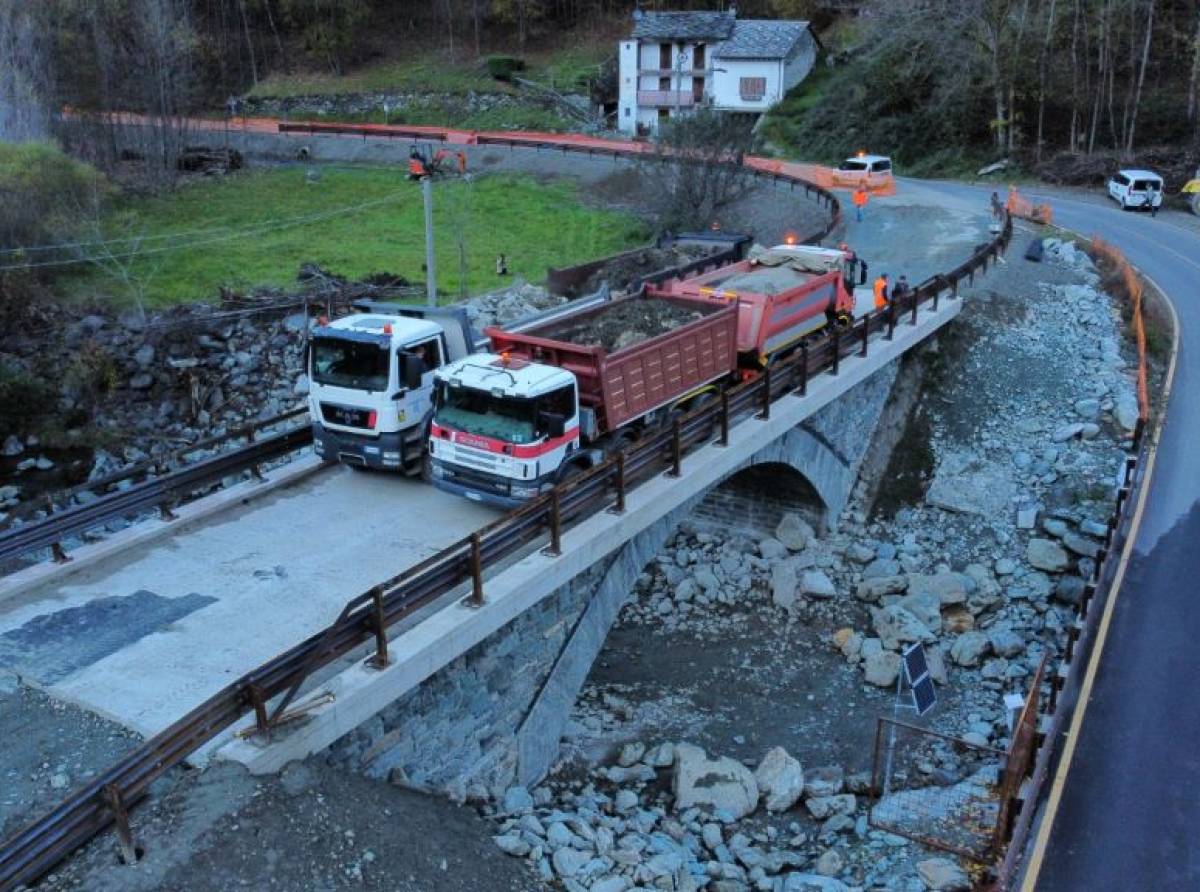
(478, 480)
(347, 416)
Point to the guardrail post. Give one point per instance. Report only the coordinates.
(554, 549)
(260, 710)
(380, 660)
(476, 599)
(891, 320)
(835, 335)
(912, 295)
(116, 805)
(866, 333)
(676, 451)
(937, 294)
(765, 414)
(619, 506)
(60, 553)
(724, 439)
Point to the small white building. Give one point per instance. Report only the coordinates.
(676, 61)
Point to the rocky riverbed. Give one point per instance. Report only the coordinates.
(724, 739)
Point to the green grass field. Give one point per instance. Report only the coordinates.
(257, 228)
(428, 73)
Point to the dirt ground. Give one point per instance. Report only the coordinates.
(313, 827)
(625, 323)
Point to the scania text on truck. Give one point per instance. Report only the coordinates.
(549, 400)
(371, 382)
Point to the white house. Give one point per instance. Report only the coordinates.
(675, 61)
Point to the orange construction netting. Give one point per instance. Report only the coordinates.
(1134, 288)
(1022, 207)
(827, 177)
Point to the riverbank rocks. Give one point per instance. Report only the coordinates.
(1047, 555)
(780, 780)
(943, 875)
(794, 532)
(721, 784)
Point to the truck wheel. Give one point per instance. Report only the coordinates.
(1195, 204)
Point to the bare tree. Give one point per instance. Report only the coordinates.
(696, 169)
(24, 74)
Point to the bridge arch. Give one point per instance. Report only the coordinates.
(755, 498)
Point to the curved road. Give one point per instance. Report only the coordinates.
(1129, 814)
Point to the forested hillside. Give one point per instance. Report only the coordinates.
(938, 83)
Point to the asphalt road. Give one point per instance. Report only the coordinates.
(1129, 814)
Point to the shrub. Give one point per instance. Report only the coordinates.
(502, 68)
(23, 399)
(44, 193)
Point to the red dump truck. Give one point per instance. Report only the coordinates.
(547, 400)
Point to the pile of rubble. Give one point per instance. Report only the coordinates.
(666, 816)
(509, 304)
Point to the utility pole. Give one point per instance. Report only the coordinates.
(430, 283)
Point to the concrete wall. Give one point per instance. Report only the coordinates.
(495, 715)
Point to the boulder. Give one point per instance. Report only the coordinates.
(517, 800)
(1006, 642)
(943, 875)
(1126, 411)
(830, 863)
(882, 668)
(896, 626)
(714, 784)
(794, 532)
(780, 780)
(13, 446)
(969, 648)
(1069, 589)
(772, 549)
(1067, 432)
(812, 882)
(824, 782)
(925, 606)
(871, 590)
(1047, 555)
(783, 584)
(822, 807)
(957, 619)
(1081, 545)
(512, 844)
(949, 587)
(144, 355)
(568, 862)
(817, 584)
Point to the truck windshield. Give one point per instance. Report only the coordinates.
(353, 364)
(852, 164)
(479, 412)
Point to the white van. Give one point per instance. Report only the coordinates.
(1136, 189)
(869, 170)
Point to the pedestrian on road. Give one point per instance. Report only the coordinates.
(860, 199)
(881, 291)
(899, 291)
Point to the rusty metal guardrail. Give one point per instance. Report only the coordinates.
(106, 799)
(146, 486)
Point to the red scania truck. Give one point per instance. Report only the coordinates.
(548, 400)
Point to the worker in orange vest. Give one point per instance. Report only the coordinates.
(416, 165)
(860, 198)
(881, 291)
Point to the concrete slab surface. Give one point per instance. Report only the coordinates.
(144, 637)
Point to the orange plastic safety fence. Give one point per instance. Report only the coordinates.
(1022, 207)
(1135, 290)
(827, 177)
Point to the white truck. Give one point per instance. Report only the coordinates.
(371, 382)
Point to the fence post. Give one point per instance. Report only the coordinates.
(380, 660)
(619, 506)
(866, 333)
(765, 414)
(554, 549)
(724, 440)
(836, 336)
(891, 313)
(116, 805)
(803, 368)
(476, 599)
(676, 451)
(912, 295)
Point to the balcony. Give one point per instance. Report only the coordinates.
(666, 98)
(674, 72)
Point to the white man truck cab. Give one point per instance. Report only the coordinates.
(371, 382)
(503, 428)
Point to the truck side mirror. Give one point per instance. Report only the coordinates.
(554, 425)
(411, 369)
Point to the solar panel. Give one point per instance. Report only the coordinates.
(914, 663)
(924, 696)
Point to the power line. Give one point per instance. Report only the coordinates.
(227, 235)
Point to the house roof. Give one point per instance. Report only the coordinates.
(762, 39)
(684, 26)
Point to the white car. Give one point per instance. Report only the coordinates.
(1136, 189)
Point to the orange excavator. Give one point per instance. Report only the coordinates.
(442, 163)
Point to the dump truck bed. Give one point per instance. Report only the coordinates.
(633, 355)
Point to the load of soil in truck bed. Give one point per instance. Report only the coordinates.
(625, 269)
(623, 324)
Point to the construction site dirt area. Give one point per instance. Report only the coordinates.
(625, 323)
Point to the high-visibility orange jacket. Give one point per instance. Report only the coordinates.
(416, 167)
(860, 197)
(881, 293)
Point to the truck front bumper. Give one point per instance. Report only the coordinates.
(384, 452)
(480, 486)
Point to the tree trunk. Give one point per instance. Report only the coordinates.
(475, 14)
(1043, 61)
(1194, 80)
(1141, 78)
(249, 41)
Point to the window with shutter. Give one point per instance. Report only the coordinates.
(752, 88)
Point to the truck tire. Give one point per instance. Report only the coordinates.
(1195, 204)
